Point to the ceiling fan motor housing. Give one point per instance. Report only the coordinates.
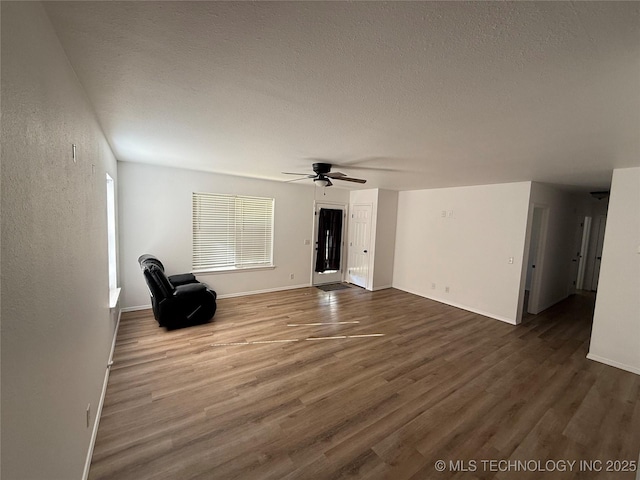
(321, 168)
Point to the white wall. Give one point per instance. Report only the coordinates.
(385, 238)
(615, 338)
(155, 217)
(56, 326)
(554, 268)
(468, 251)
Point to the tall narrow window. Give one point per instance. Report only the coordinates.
(232, 232)
(111, 241)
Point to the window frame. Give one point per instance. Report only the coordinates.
(112, 241)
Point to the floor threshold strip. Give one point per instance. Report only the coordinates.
(319, 323)
(290, 340)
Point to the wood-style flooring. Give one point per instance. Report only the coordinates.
(436, 383)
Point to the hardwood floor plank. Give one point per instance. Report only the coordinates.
(437, 383)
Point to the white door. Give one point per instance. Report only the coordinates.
(329, 276)
(575, 260)
(359, 242)
(601, 220)
(584, 248)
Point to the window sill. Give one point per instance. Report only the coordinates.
(216, 271)
(114, 295)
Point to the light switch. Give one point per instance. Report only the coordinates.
(307, 242)
(510, 260)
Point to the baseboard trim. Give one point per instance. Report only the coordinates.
(96, 422)
(384, 287)
(613, 363)
(228, 295)
(135, 308)
(267, 290)
(510, 321)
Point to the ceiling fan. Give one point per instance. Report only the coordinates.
(323, 175)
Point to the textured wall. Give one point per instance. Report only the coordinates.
(155, 217)
(467, 250)
(386, 215)
(615, 338)
(56, 327)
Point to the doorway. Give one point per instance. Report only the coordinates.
(329, 229)
(537, 241)
(584, 251)
(359, 245)
(595, 255)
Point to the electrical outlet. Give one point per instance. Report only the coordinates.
(307, 242)
(88, 414)
(446, 289)
(450, 214)
(444, 213)
(291, 276)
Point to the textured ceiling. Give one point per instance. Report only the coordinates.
(407, 95)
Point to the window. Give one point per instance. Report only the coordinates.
(114, 291)
(232, 232)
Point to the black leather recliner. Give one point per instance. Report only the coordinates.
(177, 306)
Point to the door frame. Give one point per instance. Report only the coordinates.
(584, 251)
(536, 280)
(317, 204)
(598, 246)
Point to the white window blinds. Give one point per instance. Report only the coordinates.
(232, 231)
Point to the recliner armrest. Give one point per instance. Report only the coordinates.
(189, 289)
(182, 279)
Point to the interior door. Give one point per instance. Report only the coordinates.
(359, 244)
(602, 220)
(584, 249)
(575, 260)
(333, 275)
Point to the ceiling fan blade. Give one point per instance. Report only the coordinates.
(349, 179)
(336, 174)
(375, 169)
(291, 173)
(301, 178)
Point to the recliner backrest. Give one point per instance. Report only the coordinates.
(148, 259)
(161, 280)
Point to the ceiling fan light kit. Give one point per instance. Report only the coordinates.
(323, 175)
(322, 182)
